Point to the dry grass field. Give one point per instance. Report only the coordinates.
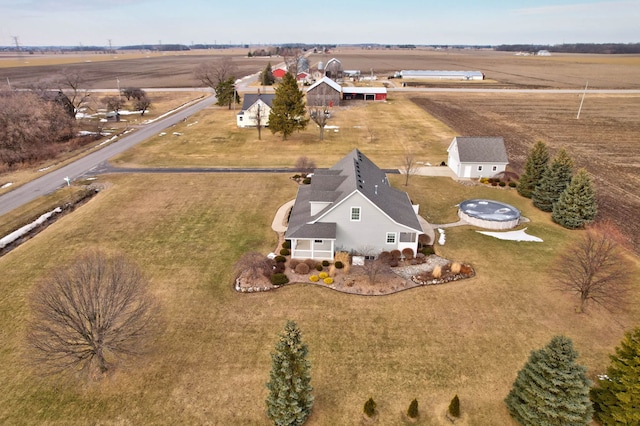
(211, 362)
(212, 139)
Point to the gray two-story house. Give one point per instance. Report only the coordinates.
(351, 207)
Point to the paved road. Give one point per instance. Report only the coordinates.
(55, 179)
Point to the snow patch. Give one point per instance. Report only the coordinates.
(442, 238)
(8, 239)
(520, 235)
(6, 185)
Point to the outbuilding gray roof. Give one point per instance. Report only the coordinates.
(251, 98)
(354, 172)
(481, 149)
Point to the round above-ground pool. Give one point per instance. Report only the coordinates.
(489, 214)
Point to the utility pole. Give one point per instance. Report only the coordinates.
(583, 94)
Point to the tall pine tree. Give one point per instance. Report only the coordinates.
(266, 76)
(551, 389)
(288, 112)
(617, 396)
(533, 169)
(577, 205)
(226, 92)
(290, 400)
(553, 182)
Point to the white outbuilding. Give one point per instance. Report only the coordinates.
(477, 156)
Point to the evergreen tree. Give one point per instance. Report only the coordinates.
(266, 76)
(551, 389)
(288, 108)
(226, 92)
(617, 396)
(577, 205)
(290, 400)
(534, 168)
(553, 182)
(370, 407)
(454, 407)
(412, 412)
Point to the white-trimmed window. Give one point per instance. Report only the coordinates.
(494, 168)
(391, 238)
(355, 214)
(480, 168)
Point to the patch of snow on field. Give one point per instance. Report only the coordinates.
(6, 185)
(44, 169)
(191, 124)
(520, 235)
(442, 238)
(8, 239)
(162, 133)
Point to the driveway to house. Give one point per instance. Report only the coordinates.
(57, 178)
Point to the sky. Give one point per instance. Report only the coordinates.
(260, 22)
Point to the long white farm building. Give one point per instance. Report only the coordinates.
(439, 75)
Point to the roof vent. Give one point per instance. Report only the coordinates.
(376, 189)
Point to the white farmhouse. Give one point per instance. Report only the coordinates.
(255, 108)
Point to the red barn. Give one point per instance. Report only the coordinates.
(279, 72)
(364, 93)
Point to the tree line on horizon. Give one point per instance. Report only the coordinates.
(602, 48)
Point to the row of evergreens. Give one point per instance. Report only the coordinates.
(554, 187)
(550, 389)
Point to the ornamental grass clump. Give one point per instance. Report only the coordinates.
(302, 269)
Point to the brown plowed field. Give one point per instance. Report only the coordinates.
(605, 140)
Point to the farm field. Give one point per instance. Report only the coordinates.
(502, 69)
(212, 361)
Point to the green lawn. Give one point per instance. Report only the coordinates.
(212, 360)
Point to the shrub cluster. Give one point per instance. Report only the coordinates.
(285, 252)
(314, 278)
(301, 268)
(328, 280)
(279, 279)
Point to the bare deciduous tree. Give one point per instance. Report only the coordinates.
(291, 58)
(91, 317)
(320, 116)
(142, 102)
(114, 103)
(211, 74)
(259, 116)
(305, 164)
(30, 126)
(74, 84)
(373, 265)
(409, 167)
(595, 269)
(253, 265)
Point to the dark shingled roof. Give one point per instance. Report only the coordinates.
(355, 172)
(251, 98)
(481, 149)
